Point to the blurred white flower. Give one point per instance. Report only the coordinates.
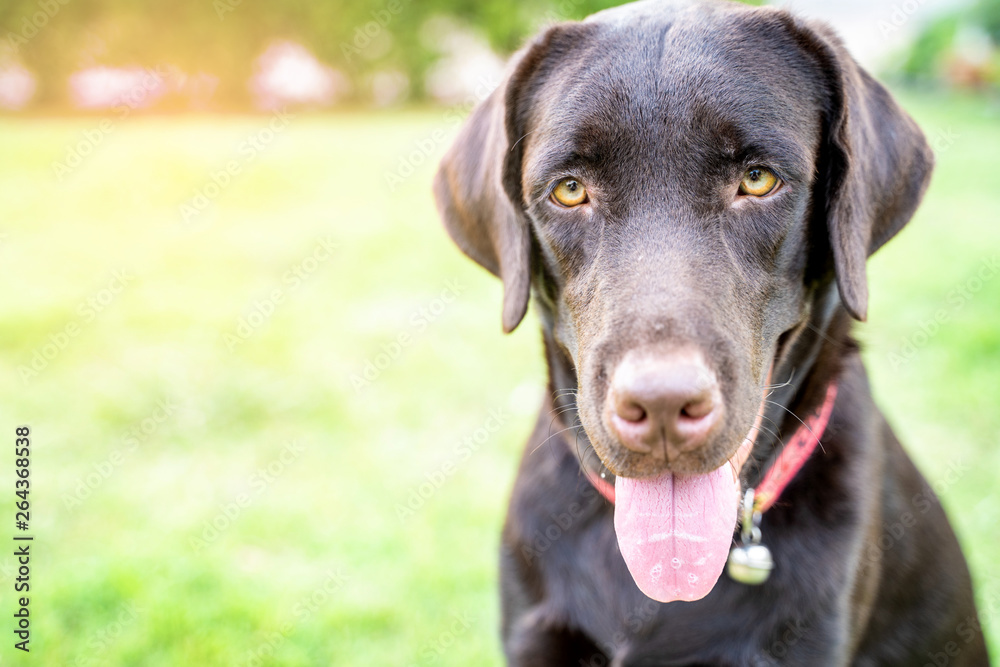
(288, 74)
(469, 69)
(973, 45)
(106, 87)
(17, 86)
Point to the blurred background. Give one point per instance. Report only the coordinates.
(274, 419)
(231, 55)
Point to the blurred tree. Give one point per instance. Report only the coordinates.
(223, 37)
(960, 48)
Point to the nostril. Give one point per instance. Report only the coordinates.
(694, 422)
(630, 411)
(697, 409)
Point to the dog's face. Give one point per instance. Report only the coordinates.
(678, 184)
(668, 185)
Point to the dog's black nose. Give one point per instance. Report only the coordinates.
(663, 404)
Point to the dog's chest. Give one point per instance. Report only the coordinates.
(631, 629)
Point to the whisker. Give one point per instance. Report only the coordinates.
(799, 420)
(773, 423)
(558, 412)
(558, 418)
(732, 466)
(576, 444)
(544, 442)
(824, 336)
(564, 392)
(580, 454)
(787, 382)
(559, 395)
(773, 435)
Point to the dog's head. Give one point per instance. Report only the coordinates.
(676, 184)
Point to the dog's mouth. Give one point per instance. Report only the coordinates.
(675, 530)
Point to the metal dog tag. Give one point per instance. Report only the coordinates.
(750, 562)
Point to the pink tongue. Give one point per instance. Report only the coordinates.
(675, 532)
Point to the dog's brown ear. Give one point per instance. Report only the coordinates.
(874, 168)
(477, 186)
(476, 211)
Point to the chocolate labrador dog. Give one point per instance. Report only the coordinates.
(690, 192)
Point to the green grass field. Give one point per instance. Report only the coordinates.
(278, 425)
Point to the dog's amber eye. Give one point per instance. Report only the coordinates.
(758, 182)
(570, 192)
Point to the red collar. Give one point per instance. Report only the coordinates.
(793, 456)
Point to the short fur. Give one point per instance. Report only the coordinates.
(658, 108)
